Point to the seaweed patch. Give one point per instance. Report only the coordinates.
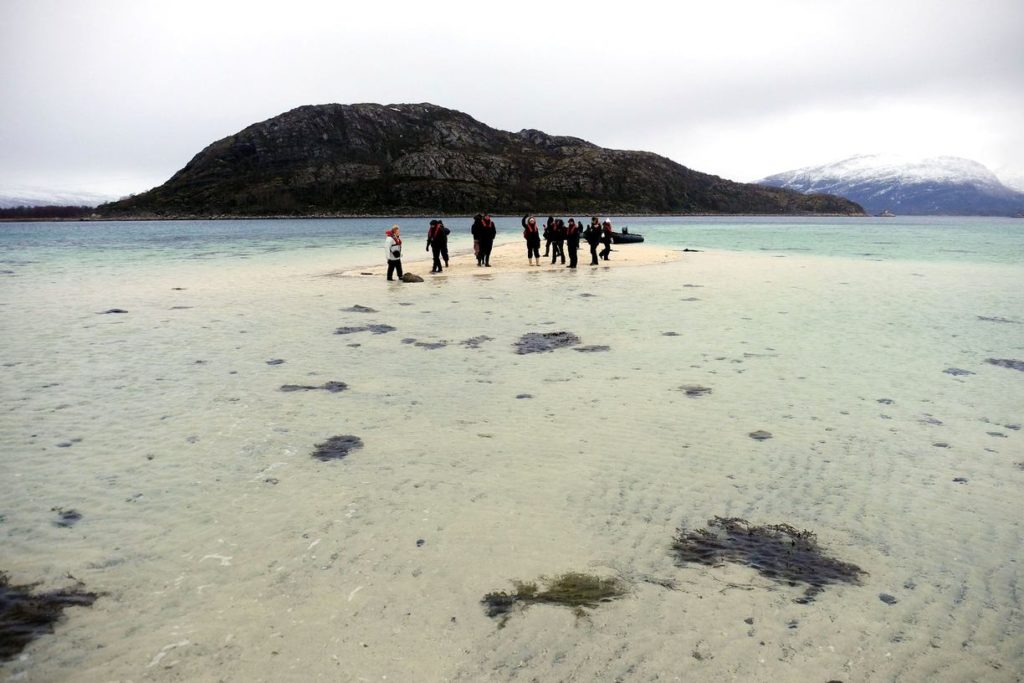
(592, 348)
(572, 589)
(337, 447)
(375, 329)
(66, 517)
(475, 342)
(330, 387)
(695, 390)
(542, 342)
(779, 552)
(24, 616)
(1010, 363)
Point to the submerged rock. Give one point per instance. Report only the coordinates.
(542, 342)
(696, 391)
(24, 616)
(275, 361)
(337, 447)
(359, 309)
(777, 551)
(957, 372)
(760, 435)
(887, 599)
(1010, 363)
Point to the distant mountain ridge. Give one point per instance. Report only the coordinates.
(421, 158)
(14, 198)
(935, 186)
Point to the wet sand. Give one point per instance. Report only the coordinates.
(511, 258)
(222, 549)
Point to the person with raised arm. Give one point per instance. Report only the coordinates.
(531, 233)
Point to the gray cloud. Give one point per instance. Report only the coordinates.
(118, 95)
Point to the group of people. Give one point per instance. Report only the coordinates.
(559, 236)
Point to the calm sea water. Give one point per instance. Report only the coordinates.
(974, 240)
(224, 551)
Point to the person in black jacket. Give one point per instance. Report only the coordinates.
(549, 229)
(478, 226)
(558, 241)
(606, 237)
(488, 232)
(437, 240)
(593, 236)
(572, 241)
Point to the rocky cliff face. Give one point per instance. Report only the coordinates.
(421, 158)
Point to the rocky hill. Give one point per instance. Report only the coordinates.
(937, 186)
(421, 158)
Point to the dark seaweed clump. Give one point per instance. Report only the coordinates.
(24, 617)
(777, 551)
(66, 517)
(330, 387)
(337, 447)
(572, 589)
(592, 348)
(695, 390)
(475, 342)
(1007, 363)
(542, 342)
(375, 329)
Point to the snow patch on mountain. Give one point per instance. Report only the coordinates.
(937, 185)
(11, 198)
(895, 168)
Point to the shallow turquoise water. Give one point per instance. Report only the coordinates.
(224, 551)
(971, 240)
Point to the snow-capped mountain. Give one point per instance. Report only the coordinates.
(936, 186)
(14, 197)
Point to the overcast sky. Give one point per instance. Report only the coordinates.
(114, 96)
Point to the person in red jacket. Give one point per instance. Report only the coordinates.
(572, 240)
(488, 232)
(437, 240)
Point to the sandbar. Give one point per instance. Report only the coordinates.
(511, 258)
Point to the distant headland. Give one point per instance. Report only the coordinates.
(418, 159)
